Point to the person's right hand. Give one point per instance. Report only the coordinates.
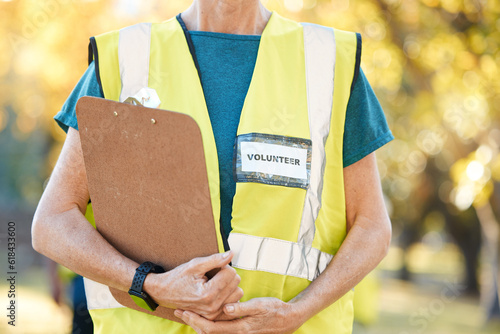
(187, 287)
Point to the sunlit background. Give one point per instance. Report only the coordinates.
(435, 67)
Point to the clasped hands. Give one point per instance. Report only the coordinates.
(212, 306)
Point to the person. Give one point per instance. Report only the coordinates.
(60, 277)
(303, 213)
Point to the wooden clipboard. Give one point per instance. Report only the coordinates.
(148, 185)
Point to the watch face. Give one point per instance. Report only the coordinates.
(139, 300)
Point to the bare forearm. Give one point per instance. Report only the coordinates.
(69, 239)
(366, 243)
(364, 247)
(61, 232)
(360, 253)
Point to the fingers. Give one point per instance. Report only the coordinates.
(224, 285)
(224, 317)
(251, 307)
(227, 276)
(202, 265)
(221, 289)
(192, 319)
(202, 325)
(235, 296)
(228, 295)
(207, 297)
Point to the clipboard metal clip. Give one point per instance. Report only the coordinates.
(146, 97)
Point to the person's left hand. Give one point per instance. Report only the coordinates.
(259, 315)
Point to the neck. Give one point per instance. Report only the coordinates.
(242, 17)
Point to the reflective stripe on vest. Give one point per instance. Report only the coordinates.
(277, 256)
(133, 50)
(319, 48)
(283, 257)
(99, 296)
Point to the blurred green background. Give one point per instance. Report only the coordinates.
(435, 67)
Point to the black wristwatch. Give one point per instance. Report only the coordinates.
(140, 297)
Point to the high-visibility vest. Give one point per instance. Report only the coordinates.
(288, 214)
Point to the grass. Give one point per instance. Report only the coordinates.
(406, 308)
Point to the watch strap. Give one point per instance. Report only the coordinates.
(141, 272)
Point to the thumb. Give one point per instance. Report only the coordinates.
(219, 260)
(248, 308)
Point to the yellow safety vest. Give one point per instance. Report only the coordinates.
(289, 215)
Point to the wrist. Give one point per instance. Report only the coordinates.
(150, 285)
(297, 313)
(156, 286)
(143, 287)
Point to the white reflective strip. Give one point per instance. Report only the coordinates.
(133, 58)
(319, 48)
(99, 296)
(277, 256)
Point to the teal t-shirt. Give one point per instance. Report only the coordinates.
(226, 64)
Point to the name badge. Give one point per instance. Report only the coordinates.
(272, 159)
